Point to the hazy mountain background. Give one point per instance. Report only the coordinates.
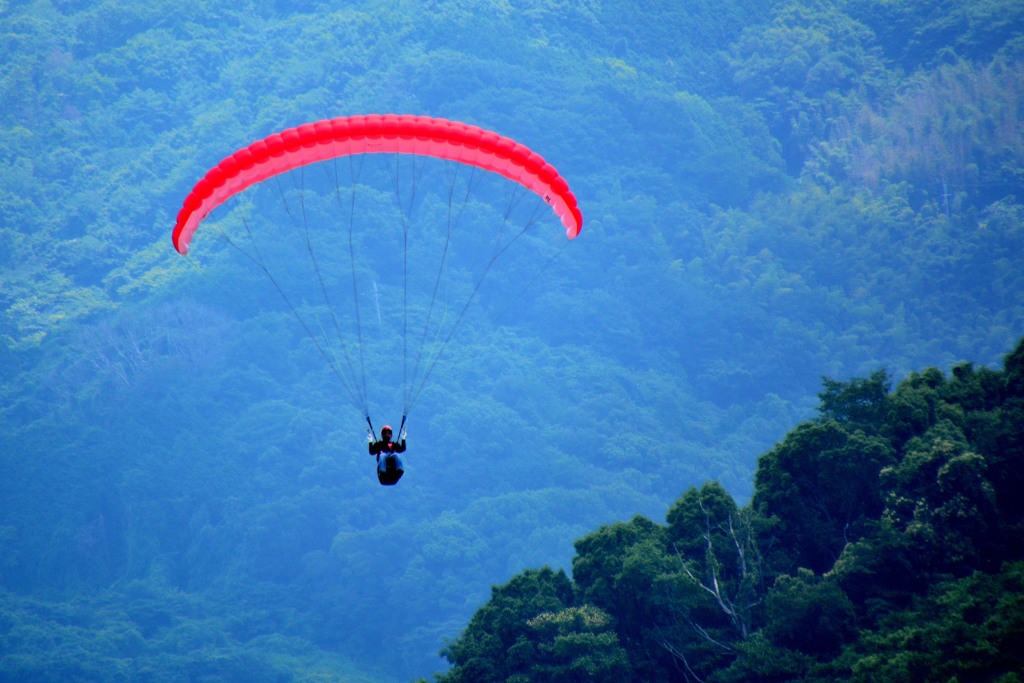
(772, 193)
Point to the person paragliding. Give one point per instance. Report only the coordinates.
(392, 137)
(389, 465)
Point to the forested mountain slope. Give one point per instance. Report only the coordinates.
(883, 543)
(771, 192)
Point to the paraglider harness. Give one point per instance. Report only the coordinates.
(389, 468)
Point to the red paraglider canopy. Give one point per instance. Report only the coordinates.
(389, 133)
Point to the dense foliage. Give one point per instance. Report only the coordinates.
(883, 543)
(773, 192)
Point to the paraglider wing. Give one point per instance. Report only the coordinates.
(390, 133)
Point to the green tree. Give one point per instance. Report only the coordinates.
(717, 548)
(856, 404)
(577, 644)
(939, 497)
(968, 629)
(616, 569)
(713, 600)
(1000, 440)
(820, 488)
(810, 614)
(499, 642)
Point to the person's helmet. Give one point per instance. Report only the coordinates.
(386, 429)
